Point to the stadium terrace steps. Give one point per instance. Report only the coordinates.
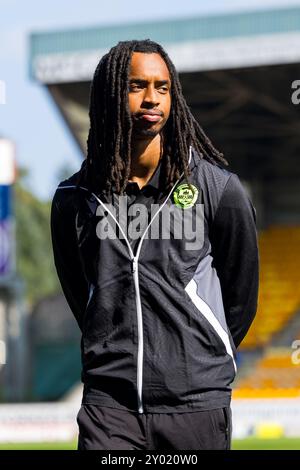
(291, 332)
(279, 290)
(275, 375)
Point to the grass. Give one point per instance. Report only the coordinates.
(72, 445)
(251, 443)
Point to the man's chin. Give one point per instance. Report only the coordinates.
(145, 132)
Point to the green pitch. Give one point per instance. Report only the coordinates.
(250, 443)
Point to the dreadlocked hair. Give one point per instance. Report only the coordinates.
(108, 161)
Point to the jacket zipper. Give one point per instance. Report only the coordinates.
(134, 270)
(134, 261)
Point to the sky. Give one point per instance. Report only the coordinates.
(29, 117)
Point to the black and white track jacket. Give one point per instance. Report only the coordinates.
(161, 323)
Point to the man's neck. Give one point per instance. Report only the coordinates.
(145, 156)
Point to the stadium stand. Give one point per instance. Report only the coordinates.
(275, 375)
(279, 292)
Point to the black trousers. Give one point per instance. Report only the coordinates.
(114, 429)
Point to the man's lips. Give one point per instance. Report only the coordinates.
(150, 115)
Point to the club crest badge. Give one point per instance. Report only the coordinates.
(185, 195)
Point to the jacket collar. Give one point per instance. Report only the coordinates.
(155, 181)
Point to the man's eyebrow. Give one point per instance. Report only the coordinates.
(142, 80)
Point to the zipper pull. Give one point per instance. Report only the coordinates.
(133, 266)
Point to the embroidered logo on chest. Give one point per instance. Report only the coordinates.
(185, 195)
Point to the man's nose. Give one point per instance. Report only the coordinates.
(150, 95)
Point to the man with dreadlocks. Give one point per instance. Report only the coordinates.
(162, 310)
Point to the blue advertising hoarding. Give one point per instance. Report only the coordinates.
(6, 239)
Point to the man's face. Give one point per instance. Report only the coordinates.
(149, 93)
